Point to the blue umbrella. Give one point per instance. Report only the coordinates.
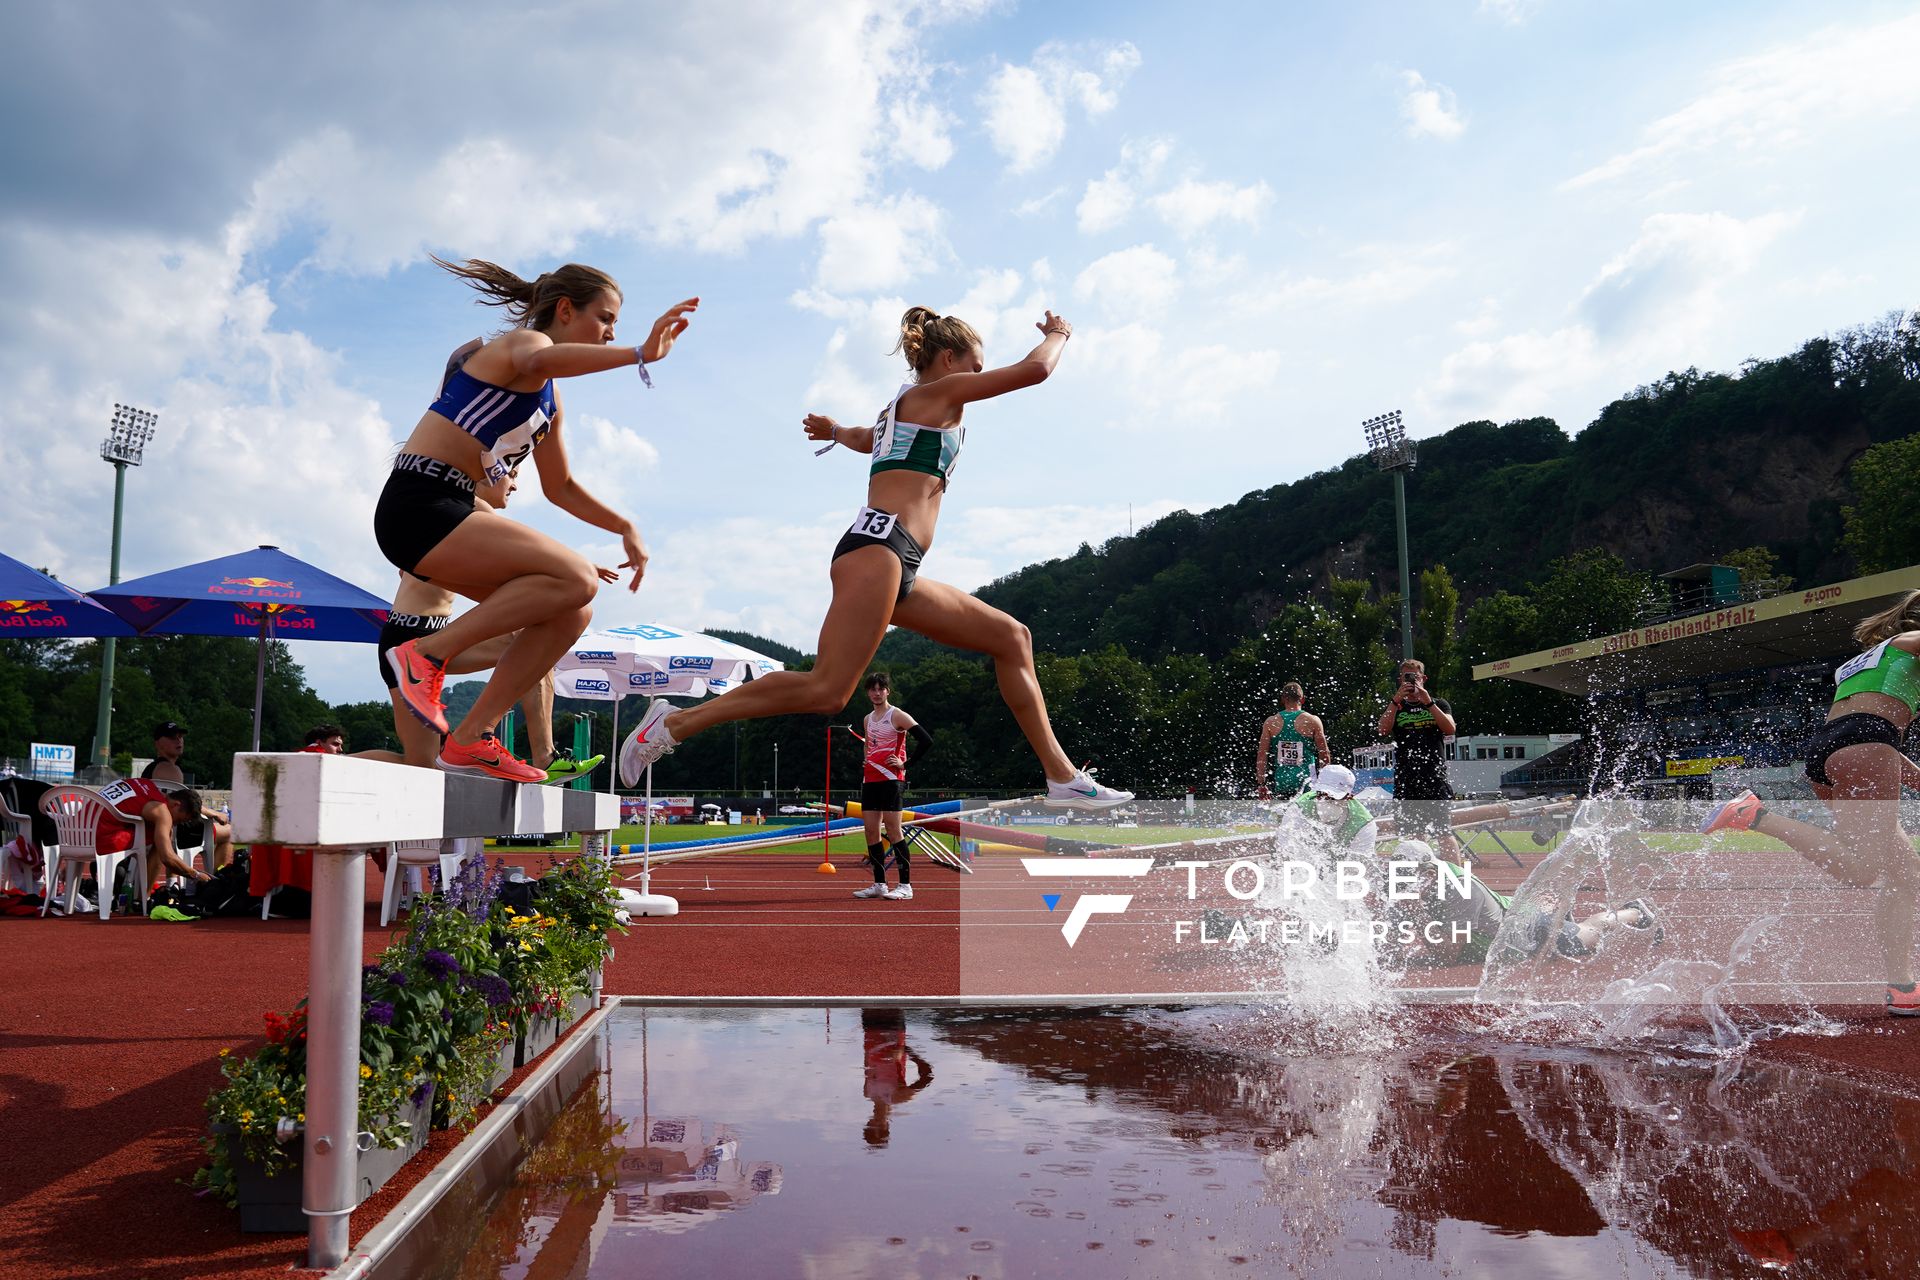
(36, 607)
(264, 592)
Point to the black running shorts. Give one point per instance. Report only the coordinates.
(424, 500)
(880, 797)
(1847, 731)
(873, 528)
(400, 628)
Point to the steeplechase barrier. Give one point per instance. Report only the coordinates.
(337, 808)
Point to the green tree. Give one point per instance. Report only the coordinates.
(1436, 628)
(1883, 524)
(1757, 564)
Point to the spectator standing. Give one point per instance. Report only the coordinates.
(169, 741)
(1419, 725)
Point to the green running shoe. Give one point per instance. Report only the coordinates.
(565, 768)
(172, 915)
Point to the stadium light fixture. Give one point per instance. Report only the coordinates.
(125, 446)
(1390, 450)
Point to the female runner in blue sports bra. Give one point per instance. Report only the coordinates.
(496, 407)
(915, 444)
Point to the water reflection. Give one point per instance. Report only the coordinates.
(1197, 1142)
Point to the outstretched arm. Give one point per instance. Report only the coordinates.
(820, 427)
(535, 355)
(941, 399)
(563, 491)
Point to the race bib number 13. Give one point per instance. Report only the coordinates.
(873, 524)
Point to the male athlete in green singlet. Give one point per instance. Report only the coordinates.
(1299, 744)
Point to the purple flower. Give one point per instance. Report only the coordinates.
(440, 965)
(372, 973)
(494, 990)
(446, 1015)
(397, 978)
(420, 1091)
(380, 1012)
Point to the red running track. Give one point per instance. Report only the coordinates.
(111, 1033)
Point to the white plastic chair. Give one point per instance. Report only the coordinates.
(413, 857)
(12, 826)
(76, 812)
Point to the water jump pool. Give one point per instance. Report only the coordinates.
(1196, 1141)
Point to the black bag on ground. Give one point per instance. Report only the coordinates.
(226, 894)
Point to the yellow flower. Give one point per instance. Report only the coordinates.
(225, 1052)
(302, 1117)
(245, 1116)
(366, 1072)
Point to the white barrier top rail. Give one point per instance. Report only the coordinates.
(309, 800)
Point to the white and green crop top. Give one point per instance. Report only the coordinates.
(909, 446)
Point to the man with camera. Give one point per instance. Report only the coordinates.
(1419, 725)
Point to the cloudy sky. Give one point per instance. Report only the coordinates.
(1266, 222)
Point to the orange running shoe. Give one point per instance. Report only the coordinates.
(418, 678)
(1737, 814)
(486, 758)
(1903, 1004)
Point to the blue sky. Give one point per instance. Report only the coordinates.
(1266, 222)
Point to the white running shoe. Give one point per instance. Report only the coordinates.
(647, 743)
(903, 894)
(878, 889)
(1082, 792)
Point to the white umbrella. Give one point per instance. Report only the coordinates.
(654, 661)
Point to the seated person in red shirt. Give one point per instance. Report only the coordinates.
(162, 812)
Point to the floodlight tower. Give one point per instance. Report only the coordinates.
(1390, 449)
(125, 446)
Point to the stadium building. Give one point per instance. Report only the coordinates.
(1719, 685)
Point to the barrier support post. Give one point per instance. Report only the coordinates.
(331, 1169)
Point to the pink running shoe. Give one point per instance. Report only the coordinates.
(486, 758)
(418, 678)
(1903, 1004)
(1737, 814)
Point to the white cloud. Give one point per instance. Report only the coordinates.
(1039, 204)
(920, 132)
(1192, 207)
(599, 446)
(1660, 296)
(1675, 267)
(880, 244)
(1129, 281)
(1786, 96)
(1372, 275)
(1189, 385)
(1430, 109)
(1110, 198)
(1026, 106)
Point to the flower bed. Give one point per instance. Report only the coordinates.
(478, 968)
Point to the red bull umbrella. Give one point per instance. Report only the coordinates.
(264, 593)
(36, 607)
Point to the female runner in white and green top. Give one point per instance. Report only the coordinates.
(1856, 766)
(915, 444)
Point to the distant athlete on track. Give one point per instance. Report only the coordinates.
(1856, 766)
(498, 407)
(915, 445)
(1290, 734)
(883, 785)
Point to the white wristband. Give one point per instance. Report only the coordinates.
(833, 438)
(640, 363)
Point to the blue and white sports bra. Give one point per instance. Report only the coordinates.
(909, 446)
(508, 424)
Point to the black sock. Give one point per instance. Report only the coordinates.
(900, 860)
(877, 859)
(1904, 988)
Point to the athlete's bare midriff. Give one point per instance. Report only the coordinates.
(437, 438)
(913, 496)
(1884, 705)
(422, 599)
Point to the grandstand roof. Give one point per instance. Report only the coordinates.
(1795, 626)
